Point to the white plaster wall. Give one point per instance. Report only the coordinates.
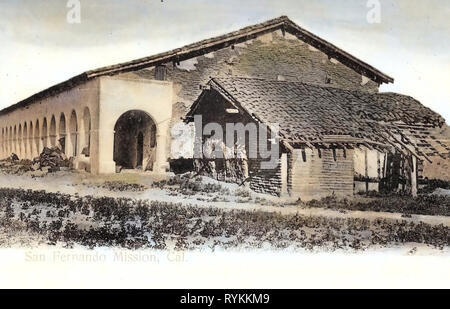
(373, 156)
(359, 161)
(119, 95)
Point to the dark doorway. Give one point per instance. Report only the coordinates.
(140, 150)
(132, 141)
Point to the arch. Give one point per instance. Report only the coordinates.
(3, 142)
(3, 135)
(73, 131)
(52, 134)
(19, 141)
(44, 133)
(30, 139)
(15, 140)
(6, 141)
(37, 138)
(10, 140)
(133, 133)
(62, 132)
(86, 148)
(25, 140)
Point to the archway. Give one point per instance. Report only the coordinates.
(3, 142)
(140, 150)
(8, 146)
(52, 131)
(30, 139)
(11, 144)
(133, 144)
(15, 140)
(7, 142)
(73, 130)
(44, 133)
(62, 132)
(19, 141)
(25, 140)
(37, 138)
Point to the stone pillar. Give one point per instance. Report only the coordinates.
(102, 152)
(20, 148)
(161, 163)
(3, 146)
(81, 137)
(44, 142)
(36, 145)
(57, 137)
(69, 144)
(24, 146)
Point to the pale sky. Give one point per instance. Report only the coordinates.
(39, 48)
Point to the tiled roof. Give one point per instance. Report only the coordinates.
(315, 114)
(202, 47)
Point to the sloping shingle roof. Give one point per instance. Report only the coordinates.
(315, 114)
(205, 46)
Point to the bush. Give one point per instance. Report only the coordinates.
(433, 205)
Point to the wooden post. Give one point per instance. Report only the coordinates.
(414, 177)
(284, 174)
(366, 167)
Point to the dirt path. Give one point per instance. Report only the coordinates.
(84, 185)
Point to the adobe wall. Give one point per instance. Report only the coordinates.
(315, 176)
(438, 169)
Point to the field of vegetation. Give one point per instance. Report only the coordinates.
(432, 205)
(55, 218)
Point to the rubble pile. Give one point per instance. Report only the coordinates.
(12, 165)
(50, 160)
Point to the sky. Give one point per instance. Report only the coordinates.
(40, 48)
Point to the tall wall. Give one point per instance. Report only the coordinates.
(314, 176)
(118, 96)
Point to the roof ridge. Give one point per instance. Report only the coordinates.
(270, 22)
(198, 48)
(310, 84)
